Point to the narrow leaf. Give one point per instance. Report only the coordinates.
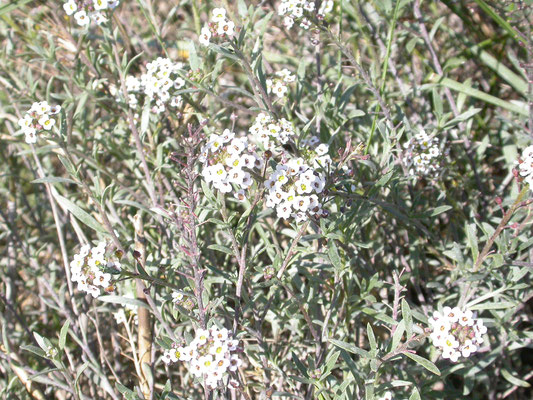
(423, 362)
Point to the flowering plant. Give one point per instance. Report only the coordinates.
(38, 118)
(92, 269)
(85, 11)
(456, 332)
(300, 199)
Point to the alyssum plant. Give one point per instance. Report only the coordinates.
(288, 199)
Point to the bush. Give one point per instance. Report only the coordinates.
(255, 200)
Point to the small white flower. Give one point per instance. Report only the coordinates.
(42, 107)
(451, 313)
(202, 336)
(288, 22)
(205, 36)
(177, 297)
(465, 318)
(450, 353)
(219, 15)
(322, 149)
(235, 362)
(25, 122)
(98, 18)
(30, 135)
(279, 89)
(177, 101)
(54, 109)
(100, 4)
(70, 7)
(46, 122)
(305, 24)
(450, 342)
(226, 28)
(284, 210)
(120, 317)
(240, 195)
(81, 18)
(468, 348)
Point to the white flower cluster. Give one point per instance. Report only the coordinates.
(456, 332)
(316, 152)
(271, 133)
(86, 10)
(279, 85)
(525, 165)
(293, 188)
(224, 158)
(423, 155)
(91, 268)
(301, 10)
(219, 26)
(38, 118)
(159, 84)
(210, 355)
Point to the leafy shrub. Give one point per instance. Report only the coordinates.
(282, 199)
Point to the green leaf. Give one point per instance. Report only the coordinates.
(415, 395)
(350, 348)
(371, 337)
(423, 362)
(40, 341)
(63, 334)
(408, 318)
(411, 44)
(241, 6)
(11, 6)
(34, 349)
(79, 371)
(437, 103)
(63, 128)
(122, 301)
(462, 117)
(440, 210)
(514, 80)
(54, 179)
(331, 361)
(398, 334)
(130, 63)
(223, 51)
(68, 165)
(333, 255)
(478, 94)
(79, 213)
(500, 21)
(194, 61)
(514, 380)
(471, 235)
(221, 248)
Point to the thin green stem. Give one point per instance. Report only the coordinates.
(384, 69)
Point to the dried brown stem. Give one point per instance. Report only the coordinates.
(145, 325)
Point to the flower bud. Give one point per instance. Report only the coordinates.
(269, 272)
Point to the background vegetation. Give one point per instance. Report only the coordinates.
(343, 313)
